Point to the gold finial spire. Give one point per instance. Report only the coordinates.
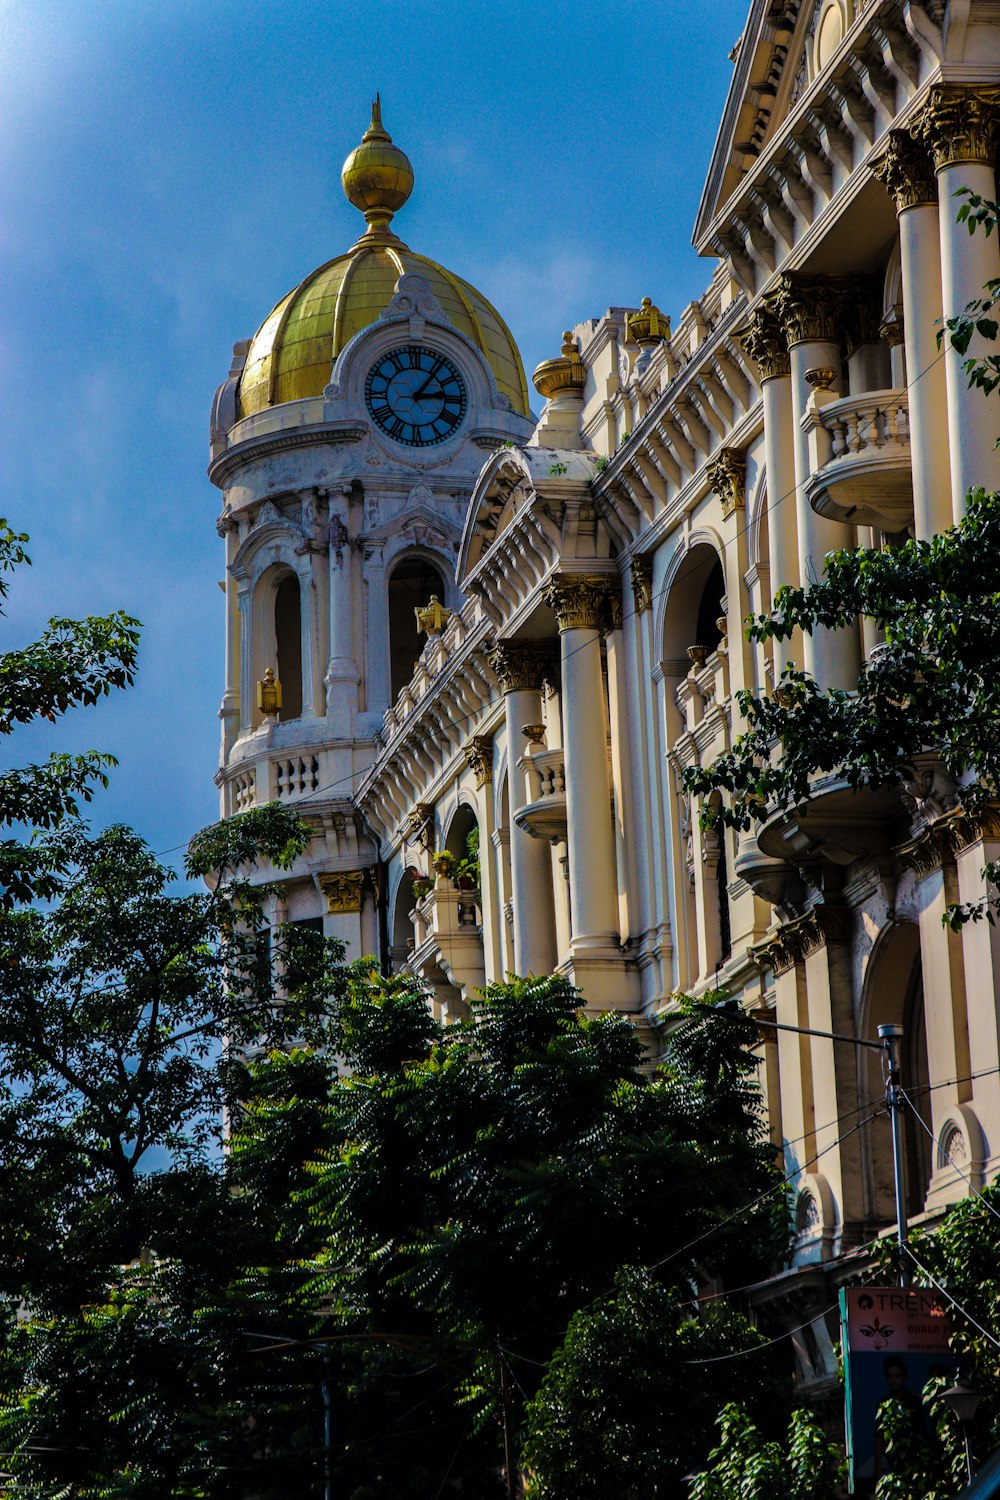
(565, 373)
(377, 178)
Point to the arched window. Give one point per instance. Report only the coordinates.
(288, 645)
(411, 584)
(708, 632)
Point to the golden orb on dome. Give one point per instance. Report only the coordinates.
(377, 176)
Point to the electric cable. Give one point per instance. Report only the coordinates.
(953, 1300)
(966, 1178)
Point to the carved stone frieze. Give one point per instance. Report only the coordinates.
(763, 339)
(863, 313)
(615, 613)
(904, 166)
(576, 600)
(642, 582)
(959, 124)
(727, 474)
(522, 666)
(810, 309)
(343, 891)
(478, 752)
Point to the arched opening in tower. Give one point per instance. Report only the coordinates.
(288, 645)
(411, 584)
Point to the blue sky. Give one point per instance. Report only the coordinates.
(168, 169)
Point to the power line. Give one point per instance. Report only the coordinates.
(966, 1178)
(953, 1300)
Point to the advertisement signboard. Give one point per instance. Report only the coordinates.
(894, 1340)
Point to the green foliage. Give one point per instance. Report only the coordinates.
(468, 865)
(622, 1407)
(978, 317)
(804, 1467)
(933, 683)
(73, 663)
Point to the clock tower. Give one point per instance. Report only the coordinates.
(346, 441)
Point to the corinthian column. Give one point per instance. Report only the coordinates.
(521, 667)
(959, 127)
(810, 311)
(764, 340)
(907, 171)
(577, 603)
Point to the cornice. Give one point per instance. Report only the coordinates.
(337, 434)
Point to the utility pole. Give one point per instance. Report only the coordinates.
(895, 1101)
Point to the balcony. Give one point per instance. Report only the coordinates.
(544, 817)
(861, 466)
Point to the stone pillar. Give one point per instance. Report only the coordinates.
(342, 676)
(478, 752)
(959, 126)
(376, 653)
(810, 310)
(906, 169)
(244, 601)
(622, 782)
(521, 668)
(764, 340)
(578, 602)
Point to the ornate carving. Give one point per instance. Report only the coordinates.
(648, 325)
(959, 124)
(615, 610)
(863, 313)
(820, 378)
(339, 539)
(727, 475)
(432, 618)
(892, 330)
(268, 515)
(642, 582)
(478, 752)
(763, 339)
(416, 826)
(793, 941)
(342, 891)
(905, 168)
(414, 298)
(522, 666)
(421, 494)
(576, 600)
(809, 308)
(269, 694)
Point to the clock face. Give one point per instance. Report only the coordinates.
(416, 396)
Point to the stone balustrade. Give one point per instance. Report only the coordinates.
(544, 817)
(865, 474)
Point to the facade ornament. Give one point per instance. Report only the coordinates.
(763, 339)
(416, 826)
(615, 616)
(533, 733)
(414, 298)
(791, 942)
(421, 494)
(339, 538)
(225, 523)
(478, 752)
(576, 600)
(432, 618)
(522, 666)
(727, 474)
(269, 695)
(342, 891)
(905, 168)
(959, 124)
(863, 313)
(821, 378)
(268, 515)
(648, 325)
(809, 308)
(642, 582)
(567, 372)
(892, 329)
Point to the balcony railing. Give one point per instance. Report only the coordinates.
(864, 476)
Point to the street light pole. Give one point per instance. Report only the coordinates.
(895, 1101)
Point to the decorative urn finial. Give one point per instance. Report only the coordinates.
(433, 617)
(567, 373)
(377, 177)
(648, 325)
(269, 695)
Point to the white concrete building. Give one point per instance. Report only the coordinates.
(375, 447)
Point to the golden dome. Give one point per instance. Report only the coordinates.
(292, 353)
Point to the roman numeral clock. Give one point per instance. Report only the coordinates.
(416, 396)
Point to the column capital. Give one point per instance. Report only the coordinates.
(904, 166)
(959, 124)
(615, 614)
(809, 308)
(342, 891)
(642, 581)
(727, 474)
(576, 600)
(478, 752)
(763, 339)
(522, 666)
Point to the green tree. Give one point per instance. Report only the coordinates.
(803, 1466)
(74, 662)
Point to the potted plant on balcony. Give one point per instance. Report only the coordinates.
(467, 871)
(444, 862)
(422, 886)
